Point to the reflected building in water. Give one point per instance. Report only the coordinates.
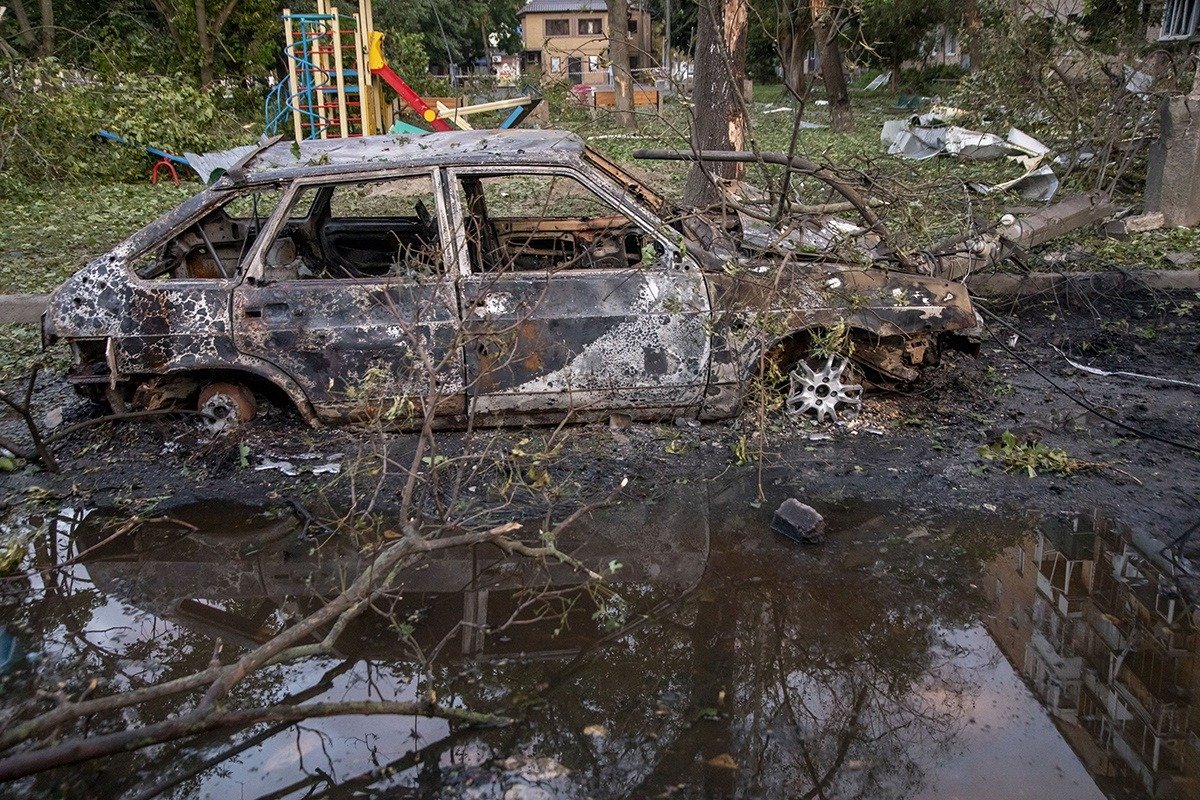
(1104, 638)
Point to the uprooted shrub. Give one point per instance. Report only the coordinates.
(50, 113)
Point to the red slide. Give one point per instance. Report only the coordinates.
(406, 93)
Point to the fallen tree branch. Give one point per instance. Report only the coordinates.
(124, 415)
(375, 579)
(856, 198)
(41, 450)
(128, 526)
(198, 721)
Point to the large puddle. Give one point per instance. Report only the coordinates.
(912, 655)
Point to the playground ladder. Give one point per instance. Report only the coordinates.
(327, 93)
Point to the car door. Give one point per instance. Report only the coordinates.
(572, 301)
(361, 335)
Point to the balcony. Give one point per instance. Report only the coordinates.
(1162, 710)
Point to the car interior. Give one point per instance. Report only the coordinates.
(543, 223)
(389, 229)
(338, 231)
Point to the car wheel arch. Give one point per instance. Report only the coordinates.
(262, 378)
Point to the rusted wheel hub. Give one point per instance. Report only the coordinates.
(824, 392)
(225, 406)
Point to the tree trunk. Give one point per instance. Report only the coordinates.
(795, 40)
(618, 56)
(973, 25)
(24, 28)
(205, 45)
(894, 66)
(841, 118)
(47, 9)
(719, 112)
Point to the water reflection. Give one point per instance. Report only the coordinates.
(741, 665)
(1109, 645)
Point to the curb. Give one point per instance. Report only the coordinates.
(1001, 284)
(17, 309)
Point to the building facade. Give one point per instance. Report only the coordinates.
(567, 40)
(1107, 642)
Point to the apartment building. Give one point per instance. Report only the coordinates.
(1107, 642)
(568, 40)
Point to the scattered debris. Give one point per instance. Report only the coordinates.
(879, 81)
(535, 769)
(1139, 83)
(289, 468)
(723, 761)
(211, 166)
(803, 124)
(53, 418)
(1136, 224)
(523, 791)
(799, 522)
(929, 135)
(286, 467)
(1039, 183)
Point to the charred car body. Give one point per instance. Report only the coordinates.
(502, 276)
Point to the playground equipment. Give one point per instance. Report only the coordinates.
(166, 161)
(336, 75)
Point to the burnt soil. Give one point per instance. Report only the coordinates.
(920, 447)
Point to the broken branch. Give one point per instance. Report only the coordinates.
(208, 713)
(857, 199)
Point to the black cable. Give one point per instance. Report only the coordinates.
(1077, 400)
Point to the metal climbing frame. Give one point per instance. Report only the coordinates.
(329, 92)
(336, 75)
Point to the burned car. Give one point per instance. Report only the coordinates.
(483, 277)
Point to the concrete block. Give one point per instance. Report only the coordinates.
(799, 522)
(22, 309)
(1120, 228)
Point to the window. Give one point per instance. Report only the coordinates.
(544, 222)
(216, 246)
(558, 27)
(951, 43)
(632, 25)
(1179, 19)
(556, 64)
(378, 229)
(591, 27)
(593, 63)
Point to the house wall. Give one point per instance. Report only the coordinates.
(591, 49)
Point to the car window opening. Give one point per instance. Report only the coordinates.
(546, 223)
(366, 230)
(215, 247)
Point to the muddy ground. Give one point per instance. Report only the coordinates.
(921, 448)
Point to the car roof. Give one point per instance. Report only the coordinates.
(285, 159)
